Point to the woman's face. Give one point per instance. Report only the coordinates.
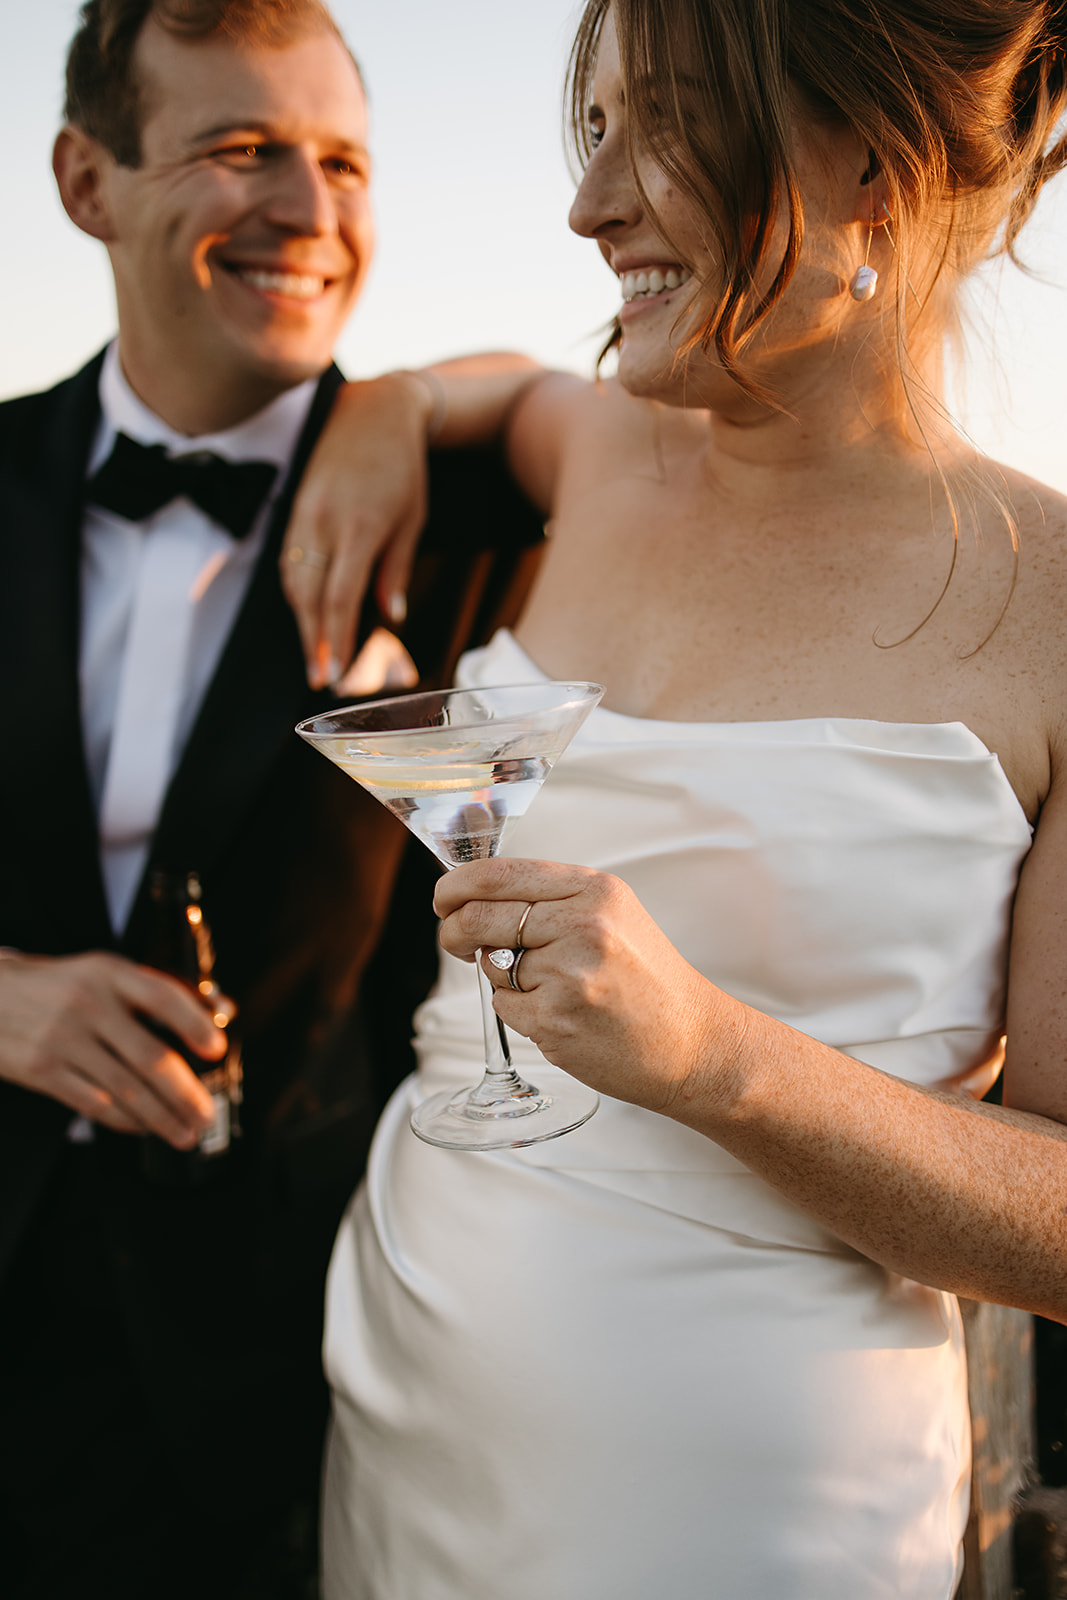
(660, 283)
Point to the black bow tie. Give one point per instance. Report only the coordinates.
(137, 480)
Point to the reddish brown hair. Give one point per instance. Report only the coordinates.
(104, 96)
(957, 102)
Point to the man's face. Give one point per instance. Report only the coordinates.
(241, 243)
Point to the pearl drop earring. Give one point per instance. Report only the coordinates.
(864, 280)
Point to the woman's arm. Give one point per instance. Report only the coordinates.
(968, 1197)
(362, 501)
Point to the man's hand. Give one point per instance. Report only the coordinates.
(78, 1028)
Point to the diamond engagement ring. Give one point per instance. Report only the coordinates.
(508, 961)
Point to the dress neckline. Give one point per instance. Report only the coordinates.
(835, 730)
(505, 636)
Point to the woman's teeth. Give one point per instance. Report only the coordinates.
(651, 280)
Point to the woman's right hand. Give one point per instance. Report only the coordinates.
(361, 504)
(362, 501)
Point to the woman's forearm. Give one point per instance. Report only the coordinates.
(964, 1196)
(468, 400)
(932, 1185)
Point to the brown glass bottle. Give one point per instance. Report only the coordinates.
(180, 944)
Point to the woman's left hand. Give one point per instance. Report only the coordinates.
(604, 994)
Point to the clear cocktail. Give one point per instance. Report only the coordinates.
(457, 766)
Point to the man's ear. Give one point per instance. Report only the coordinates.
(80, 163)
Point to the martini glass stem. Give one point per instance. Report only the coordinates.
(501, 1081)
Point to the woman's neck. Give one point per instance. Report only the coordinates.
(847, 415)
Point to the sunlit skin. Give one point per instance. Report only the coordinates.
(716, 559)
(801, 539)
(817, 348)
(255, 162)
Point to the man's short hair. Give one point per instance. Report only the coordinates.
(104, 97)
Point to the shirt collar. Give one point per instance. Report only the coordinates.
(269, 435)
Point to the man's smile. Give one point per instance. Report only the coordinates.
(284, 281)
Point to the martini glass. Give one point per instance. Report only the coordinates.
(457, 766)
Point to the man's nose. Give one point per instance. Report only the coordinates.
(301, 200)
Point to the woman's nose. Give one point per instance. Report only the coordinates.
(607, 198)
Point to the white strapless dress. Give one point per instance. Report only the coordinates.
(616, 1365)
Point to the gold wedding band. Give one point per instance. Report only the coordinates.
(308, 558)
(522, 923)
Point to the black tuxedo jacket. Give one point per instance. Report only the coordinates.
(297, 863)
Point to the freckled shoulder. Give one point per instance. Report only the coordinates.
(1040, 514)
(567, 435)
(611, 435)
(1037, 615)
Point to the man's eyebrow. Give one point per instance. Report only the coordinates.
(227, 130)
(263, 133)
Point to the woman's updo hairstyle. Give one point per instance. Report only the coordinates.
(957, 100)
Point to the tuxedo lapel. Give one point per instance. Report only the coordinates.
(257, 695)
(55, 891)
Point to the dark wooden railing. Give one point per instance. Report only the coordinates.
(1016, 1542)
(1000, 1368)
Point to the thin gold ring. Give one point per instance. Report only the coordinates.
(522, 923)
(308, 558)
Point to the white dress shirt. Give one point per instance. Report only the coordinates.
(158, 601)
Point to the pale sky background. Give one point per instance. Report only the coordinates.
(472, 196)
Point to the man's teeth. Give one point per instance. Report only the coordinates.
(652, 280)
(298, 286)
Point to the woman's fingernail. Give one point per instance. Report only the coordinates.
(398, 607)
(334, 670)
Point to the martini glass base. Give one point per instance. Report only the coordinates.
(455, 1122)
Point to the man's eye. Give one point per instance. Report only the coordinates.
(342, 167)
(242, 154)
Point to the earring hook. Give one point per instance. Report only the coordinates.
(864, 280)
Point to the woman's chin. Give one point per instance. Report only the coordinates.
(671, 381)
(690, 383)
(651, 377)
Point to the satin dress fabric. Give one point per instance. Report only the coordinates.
(617, 1364)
